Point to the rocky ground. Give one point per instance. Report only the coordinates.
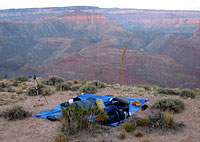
(41, 130)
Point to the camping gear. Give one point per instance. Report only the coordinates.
(113, 120)
(122, 100)
(100, 105)
(136, 103)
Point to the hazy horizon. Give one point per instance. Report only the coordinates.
(142, 4)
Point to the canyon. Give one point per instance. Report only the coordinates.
(86, 43)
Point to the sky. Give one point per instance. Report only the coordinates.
(139, 4)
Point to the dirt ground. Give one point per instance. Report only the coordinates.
(41, 130)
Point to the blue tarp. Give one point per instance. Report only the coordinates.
(56, 111)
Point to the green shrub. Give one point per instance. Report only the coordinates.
(55, 80)
(64, 86)
(20, 91)
(188, 93)
(126, 88)
(20, 78)
(148, 88)
(98, 84)
(144, 121)
(168, 91)
(60, 138)
(122, 134)
(11, 90)
(138, 133)
(15, 113)
(147, 140)
(42, 90)
(16, 82)
(169, 119)
(174, 105)
(75, 87)
(128, 127)
(2, 85)
(88, 89)
(75, 119)
(47, 92)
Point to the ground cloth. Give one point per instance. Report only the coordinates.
(56, 111)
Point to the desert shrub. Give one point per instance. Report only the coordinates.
(15, 113)
(138, 133)
(16, 82)
(156, 117)
(88, 89)
(126, 88)
(174, 105)
(11, 90)
(147, 140)
(168, 91)
(42, 90)
(84, 82)
(75, 119)
(144, 121)
(122, 134)
(64, 86)
(197, 90)
(134, 120)
(20, 78)
(169, 119)
(75, 87)
(128, 127)
(55, 80)
(1, 89)
(98, 84)
(24, 87)
(20, 91)
(60, 138)
(46, 82)
(47, 92)
(148, 88)
(187, 93)
(2, 85)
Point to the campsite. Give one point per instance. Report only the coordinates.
(185, 126)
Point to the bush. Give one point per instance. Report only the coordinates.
(148, 88)
(98, 84)
(16, 82)
(174, 105)
(64, 86)
(126, 88)
(169, 119)
(55, 80)
(20, 78)
(91, 89)
(42, 90)
(75, 87)
(11, 90)
(138, 133)
(147, 140)
(15, 113)
(19, 91)
(128, 127)
(188, 93)
(144, 121)
(2, 85)
(75, 119)
(122, 134)
(168, 91)
(61, 138)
